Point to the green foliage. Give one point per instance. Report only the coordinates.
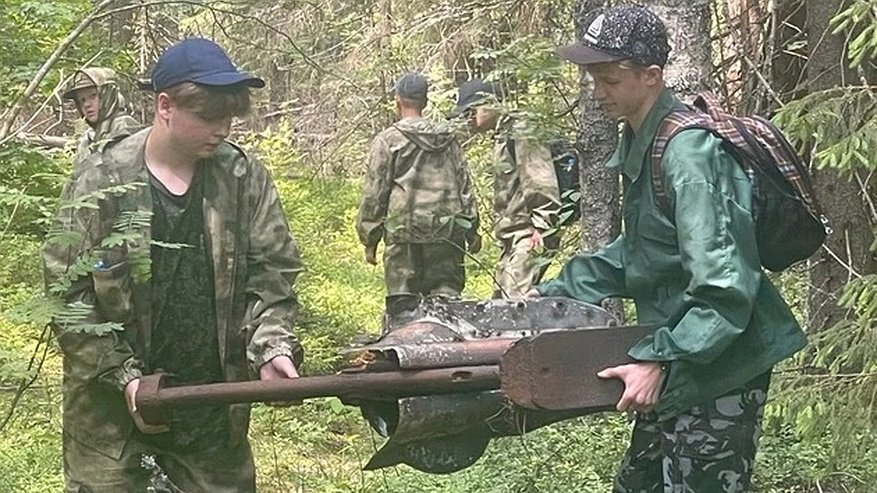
(838, 395)
(30, 186)
(541, 88)
(830, 396)
(788, 464)
(861, 17)
(29, 31)
(840, 124)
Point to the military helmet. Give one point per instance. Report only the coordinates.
(89, 77)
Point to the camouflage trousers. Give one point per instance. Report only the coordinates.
(520, 267)
(219, 469)
(710, 449)
(424, 268)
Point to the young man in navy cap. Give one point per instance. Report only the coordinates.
(216, 305)
(699, 382)
(418, 199)
(526, 198)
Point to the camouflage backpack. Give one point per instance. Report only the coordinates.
(789, 226)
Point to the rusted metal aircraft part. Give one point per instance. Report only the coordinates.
(439, 455)
(558, 370)
(511, 318)
(153, 397)
(436, 434)
(441, 333)
(446, 433)
(423, 356)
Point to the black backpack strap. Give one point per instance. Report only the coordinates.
(510, 146)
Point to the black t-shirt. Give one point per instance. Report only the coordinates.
(184, 333)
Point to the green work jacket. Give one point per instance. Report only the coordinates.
(694, 272)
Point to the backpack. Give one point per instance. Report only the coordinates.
(789, 225)
(566, 169)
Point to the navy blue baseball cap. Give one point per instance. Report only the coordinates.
(474, 93)
(200, 61)
(412, 85)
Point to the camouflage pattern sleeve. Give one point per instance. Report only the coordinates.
(538, 182)
(273, 263)
(83, 149)
(105, 357)
(467, 194)
(376, 193)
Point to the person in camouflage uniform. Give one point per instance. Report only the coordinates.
(202, 287)
(418, 198)
(526, 199)
(95, 93)
(699, 381)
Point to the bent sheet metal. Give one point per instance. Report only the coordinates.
(548, 379)
(448, 376)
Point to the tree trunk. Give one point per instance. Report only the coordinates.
(688, 25)
(789, 18)
(598, 136)
(846, 253)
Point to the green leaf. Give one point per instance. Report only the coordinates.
(463, 222)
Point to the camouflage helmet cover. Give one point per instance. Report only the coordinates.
(89, 77)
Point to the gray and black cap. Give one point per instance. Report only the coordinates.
(474, 93)
(622, 32)
(412, 85)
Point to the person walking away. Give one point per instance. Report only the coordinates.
(418, 199)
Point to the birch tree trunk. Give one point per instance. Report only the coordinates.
(598, 135)
(846, 253)
(688, 24)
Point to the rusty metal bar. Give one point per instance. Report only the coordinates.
(153, 399)
(439, 355)
(444, 355)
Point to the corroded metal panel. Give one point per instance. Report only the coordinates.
(557, 371)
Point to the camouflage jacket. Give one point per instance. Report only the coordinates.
(113, 121)
(255, 262)
(526, 197)
(417, 187)
(116, 127)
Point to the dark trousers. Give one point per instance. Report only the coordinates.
(219, 469)
(709, 449)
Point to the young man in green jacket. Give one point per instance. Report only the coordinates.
(201, 288)
(700, 380)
